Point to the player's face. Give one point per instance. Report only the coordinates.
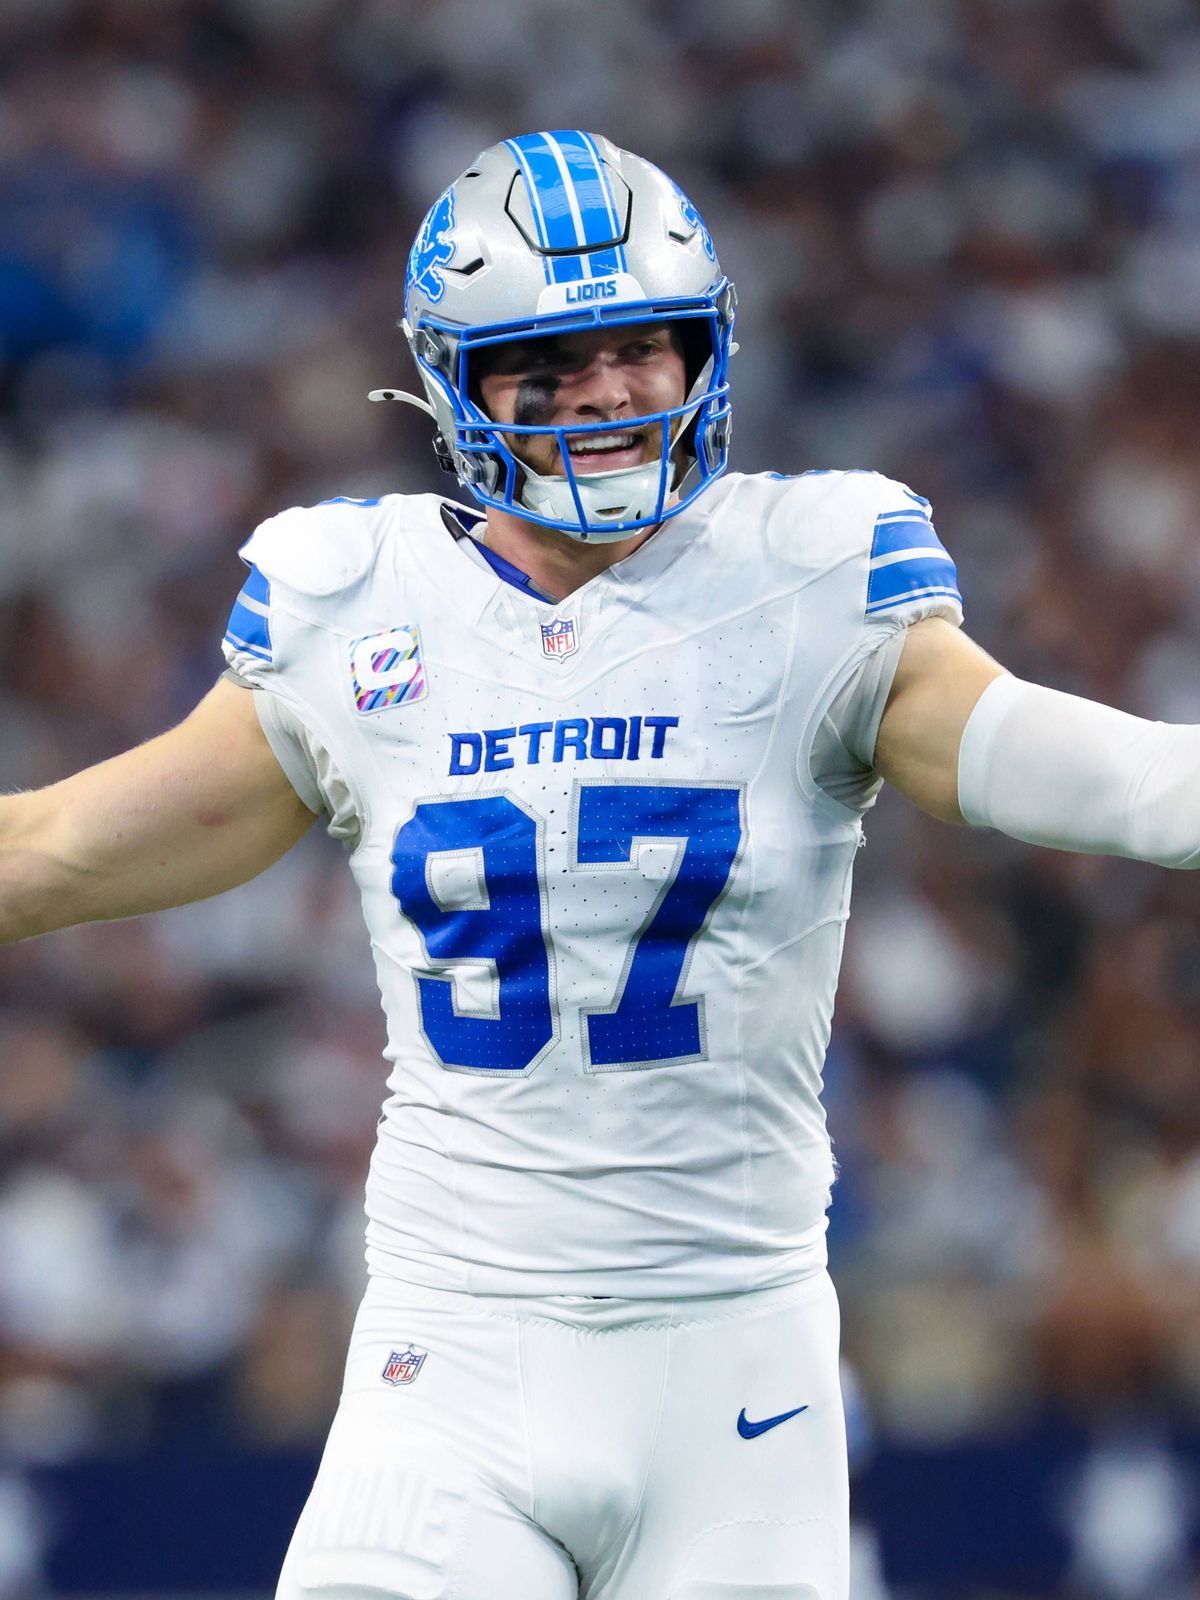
(601, 375)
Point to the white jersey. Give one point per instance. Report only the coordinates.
(604, 886)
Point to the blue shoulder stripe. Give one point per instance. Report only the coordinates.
(256, 586)
(249, 630)
(244, 645)
(919, 591)
(249, 625)
(902, 533)
(908, 561)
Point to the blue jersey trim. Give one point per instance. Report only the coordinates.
(512, 575)
(256, 586)
(890, 602)
(908, 560)
(468, 521)
(251, 630)
(910, 532)
(231, 638)
(903, 578)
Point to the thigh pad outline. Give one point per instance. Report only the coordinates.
(703, 1590)
(380, 1528)
(762, 1560)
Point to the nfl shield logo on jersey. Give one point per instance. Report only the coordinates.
(558, 637)
(403, 1365)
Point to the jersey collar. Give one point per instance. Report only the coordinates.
(457, 520)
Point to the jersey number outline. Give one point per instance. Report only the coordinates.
(502, 923)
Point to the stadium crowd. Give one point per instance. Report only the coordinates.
(966, 237)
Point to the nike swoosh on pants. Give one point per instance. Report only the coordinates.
(751, 1430)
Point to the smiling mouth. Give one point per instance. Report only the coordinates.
(607, 452)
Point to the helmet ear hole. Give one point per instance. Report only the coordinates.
(477, 364)
(694, 343)
(694, 340)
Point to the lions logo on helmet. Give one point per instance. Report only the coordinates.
(432, 250)
(694, 221)
(560, 233)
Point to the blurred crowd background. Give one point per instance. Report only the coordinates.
(966, 236)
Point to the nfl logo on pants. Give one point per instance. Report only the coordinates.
(558, 637)
(402, 1366)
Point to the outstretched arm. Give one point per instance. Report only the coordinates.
(937, 686)
(188, 814)
(969, 742)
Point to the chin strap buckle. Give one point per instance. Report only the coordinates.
(445, 456)
(430, 347)
(478, 472)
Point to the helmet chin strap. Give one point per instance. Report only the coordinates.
(622, 495)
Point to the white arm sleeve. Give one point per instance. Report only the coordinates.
(1053, 769)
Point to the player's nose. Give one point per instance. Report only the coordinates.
(602, 388)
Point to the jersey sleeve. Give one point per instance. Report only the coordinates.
(289, 561)
(910, 574)
(300, 562)
(247, 645)
(248, 649)
(309, 767)
(843, 752)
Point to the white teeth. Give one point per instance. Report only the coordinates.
(603, 441)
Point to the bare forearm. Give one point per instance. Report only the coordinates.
(55, 872)
(27, 875)
(185, 816)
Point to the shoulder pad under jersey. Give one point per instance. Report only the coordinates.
(317, 550)
(867, 518)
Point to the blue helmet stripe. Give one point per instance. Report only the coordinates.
(572, 203)
(539, 222)
(551, 206)
(594, 197)
(615, 224)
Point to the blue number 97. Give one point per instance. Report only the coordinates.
(646, 1025)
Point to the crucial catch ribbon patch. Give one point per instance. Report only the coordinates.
(387, 669)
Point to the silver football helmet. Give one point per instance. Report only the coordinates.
(555, 233)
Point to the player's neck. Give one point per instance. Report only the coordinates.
(555, 563)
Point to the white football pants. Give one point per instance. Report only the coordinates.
(489, 1448)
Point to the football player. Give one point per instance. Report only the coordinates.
(598, 739)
